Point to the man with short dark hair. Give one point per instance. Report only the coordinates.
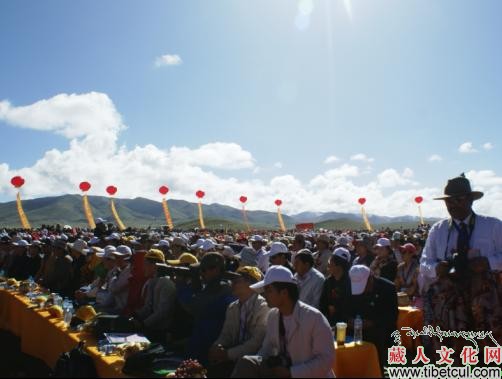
(298, 342)
(310, 281)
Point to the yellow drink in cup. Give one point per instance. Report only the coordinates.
(341, 333)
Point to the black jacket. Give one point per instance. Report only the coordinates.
(336, 293)
(379, 306)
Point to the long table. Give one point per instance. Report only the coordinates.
(412, 318)
(356, 361)
(46, 338)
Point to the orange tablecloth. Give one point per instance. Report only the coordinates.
(412, 318)
(46, 338)
(356, 361)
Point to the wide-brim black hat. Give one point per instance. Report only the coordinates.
(459, 186)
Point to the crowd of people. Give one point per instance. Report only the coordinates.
(265, 305)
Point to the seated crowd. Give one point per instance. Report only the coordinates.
(244, 306)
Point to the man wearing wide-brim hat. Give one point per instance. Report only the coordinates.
(468, 243)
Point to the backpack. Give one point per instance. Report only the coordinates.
(75, 364)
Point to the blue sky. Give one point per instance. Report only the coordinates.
(290, 82)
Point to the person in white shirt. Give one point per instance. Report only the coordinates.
(310, 281)
(323, 255)
(245, 324)
(466, 240)
(461, 263)
(299, 340)
(118, 286)
(257, 243)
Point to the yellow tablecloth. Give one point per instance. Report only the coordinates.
(46, 338)
(412, 318)
(356, 361)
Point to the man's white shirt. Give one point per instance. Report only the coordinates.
(486, 237)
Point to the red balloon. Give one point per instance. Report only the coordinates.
(164, 190)
(112, 190)
(17, 181)
(362, 201)
(243, 199)
(278, 202)
(85, 186)
(419, 199)
(200, 194)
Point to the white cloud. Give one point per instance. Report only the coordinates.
(362, 158)
(168, 60)
(467, 148)
(435, 158)
(91, 117)
(225, 156)
(392, 178)
(331, 159)
(488, 146)
(278, 165)
(140, 170)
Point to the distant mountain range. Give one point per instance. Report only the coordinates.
(142, 212)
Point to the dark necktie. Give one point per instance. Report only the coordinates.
(463, 240)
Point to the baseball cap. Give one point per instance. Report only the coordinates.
(227, 251)
(123, 251)
(79, 246)
(248, 257)
(256, 238)
(396, 236)
(343, 253)
(94, 241)
(113, 237)
(21, 243)
(343, 241)
(162, 243)
(359, 275)
(100, 221)
(197, 244)
(185, 259)
(383, 242)
(178, 241)
(277, 248)
(275, 274)
(107, 252)
(155, 255)
(252, 273)
(408, 248)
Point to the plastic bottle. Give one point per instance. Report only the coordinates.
(68, 313)
(358, 330)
